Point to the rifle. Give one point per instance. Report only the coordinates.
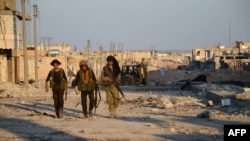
(116, 85)
(66, 95)
(120, 90)
(97, 90)
(78, 103)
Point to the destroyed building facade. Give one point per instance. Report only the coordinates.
(221, 57)
(12, 55)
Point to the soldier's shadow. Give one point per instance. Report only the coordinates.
(45, 109)
(67, 111)
(33, 131)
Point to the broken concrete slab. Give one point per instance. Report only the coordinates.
(216, 92)
(245, 95)
(217, 96)
(210, 103)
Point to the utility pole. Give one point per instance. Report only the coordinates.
(110, 48)
(113, 49)
(122, 53)
(44, 38)
(229, 33)
(62, 48)
(100, 56)
(238, 46)
(25, 55)
(120, 48)
(35, 40)
(49, 39)
(88, 48)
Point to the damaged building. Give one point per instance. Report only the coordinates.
(10, 40)
(11, 47)
(221, 57)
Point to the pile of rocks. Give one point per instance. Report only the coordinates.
(165, 102)
(10, 90)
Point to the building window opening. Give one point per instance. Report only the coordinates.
(198, 53)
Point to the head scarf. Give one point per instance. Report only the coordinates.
(116, 67)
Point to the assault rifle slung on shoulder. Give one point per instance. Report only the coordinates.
(117, 86)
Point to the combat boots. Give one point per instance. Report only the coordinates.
(90, 114)
(85, 116)
(60, 113)
(113, 114)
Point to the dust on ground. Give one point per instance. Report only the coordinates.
(28, 115)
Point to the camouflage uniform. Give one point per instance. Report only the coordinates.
(112, 93)
(87, 87)
(143, 72)
(58, 83)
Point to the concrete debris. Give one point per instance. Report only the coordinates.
(210, 103)
(188, 132)
(155, 110)
(198, 103)
(160, 101)
(165, 102)
(10, 90)
(245, 95)
(5, 94)
(174, 100)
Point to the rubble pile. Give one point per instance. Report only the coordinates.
(217, 87)
(164, 76)
(166, 102)
(10, 90)
(194, 105)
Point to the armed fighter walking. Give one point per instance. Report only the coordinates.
(111, 77)
(86, 83)
(58, 84)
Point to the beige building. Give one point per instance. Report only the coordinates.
(10, 35)
(10, 39)
(223, 57)
(3, 68)
(58, 49)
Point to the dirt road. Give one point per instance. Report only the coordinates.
(31, 118)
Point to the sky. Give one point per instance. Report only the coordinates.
(143, 24)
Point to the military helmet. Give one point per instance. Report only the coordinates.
(83, 63)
